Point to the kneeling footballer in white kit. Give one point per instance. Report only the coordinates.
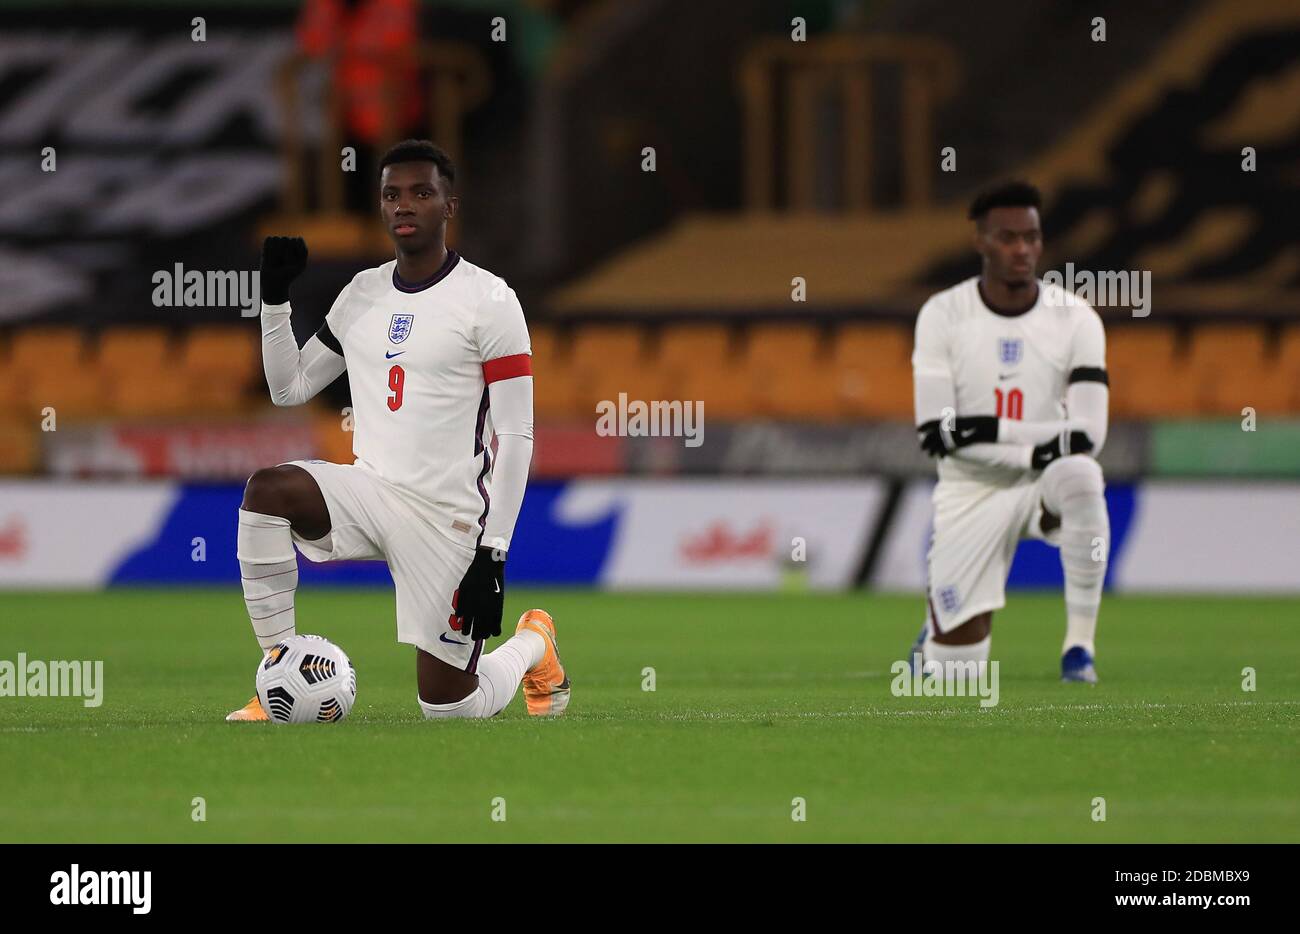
(440, 367)
(1012, 397)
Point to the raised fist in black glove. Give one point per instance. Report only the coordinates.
(940, 437)
(1077, 442)
(283, 260)
(477, 603)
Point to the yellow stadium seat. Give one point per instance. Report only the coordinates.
(1287, 365)
(1142, 345)
(1269, 390)
(156, 393)
(19, 446)
(231, 354)
(686, 346)
(646, 382)
(1225, 346)
(1288, 349)
(597, 345)
(1236, 370)
(689, 348)
(553, 382)
(1147, 379)
(803, 393)
(206, 394)
(545, 344)
(131, 349)
(873, 371)
(1224, 360)
(547, 351)
(1147, 391)
(878, 390)
(727, 391)
(13, 386)
(221, 364)
(73, 391)
(555, 392)
(871, 344)
(778, 345)
(47, 348)
(603, 361)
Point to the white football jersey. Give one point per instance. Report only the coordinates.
(419, 359)
(1010, 366)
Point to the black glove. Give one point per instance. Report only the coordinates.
(478, 602)
(965, 429)
(1049, 451)
(283, 260)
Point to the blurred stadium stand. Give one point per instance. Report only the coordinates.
(774, 159)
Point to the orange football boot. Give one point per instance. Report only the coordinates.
(546, 686)
(250, 711)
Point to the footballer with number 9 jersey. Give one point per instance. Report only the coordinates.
(439, 361)
(1011, 396)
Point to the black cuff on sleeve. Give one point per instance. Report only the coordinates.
(1089, 374)
(329, 340)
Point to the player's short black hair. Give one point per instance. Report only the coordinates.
(1015, 193)
(420, 150)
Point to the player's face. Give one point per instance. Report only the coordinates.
(1011, 243)
(415, 205)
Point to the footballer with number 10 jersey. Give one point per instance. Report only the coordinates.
(1011, 395)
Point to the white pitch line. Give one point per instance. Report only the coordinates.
(939, 711)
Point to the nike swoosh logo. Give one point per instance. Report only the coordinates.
(389, 356)
(443, 637)
(1005, 375)
(497, 586)
(968, 432)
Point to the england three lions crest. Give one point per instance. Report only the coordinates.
(1010, 350)
(400, 328)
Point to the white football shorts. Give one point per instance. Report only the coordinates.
(976, 529)
(372, 519)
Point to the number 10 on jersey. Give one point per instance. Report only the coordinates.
(1010, 404)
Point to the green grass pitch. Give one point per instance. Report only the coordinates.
(760, 700)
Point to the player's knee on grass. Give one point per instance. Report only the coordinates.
(291, 493)
(967, 644)
(439, 683)
(975, 629)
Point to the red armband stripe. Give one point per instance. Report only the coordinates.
(520, 364)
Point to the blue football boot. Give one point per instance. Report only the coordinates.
(1076, 665)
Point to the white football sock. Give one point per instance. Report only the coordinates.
(1080, 629)
(977, 652)
(1073, 488)
(499, 674)
(268, 569)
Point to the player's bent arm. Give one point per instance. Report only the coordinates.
(941, 431)
(511, 403)
(295, 375)
(934, 396)
(934, 399)
(1087, 399)
(1011, 456)
(1088, 402)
